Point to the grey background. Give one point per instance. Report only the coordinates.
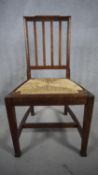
(48, 152)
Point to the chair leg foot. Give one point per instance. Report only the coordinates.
(18, 154)
(83, 154)
(65, 110)
(32, 110)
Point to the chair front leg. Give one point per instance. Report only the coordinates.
(88, 109)
(13, 125)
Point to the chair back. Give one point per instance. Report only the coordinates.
(47, 43)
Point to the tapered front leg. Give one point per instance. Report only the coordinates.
(88, 109)
(13, 125)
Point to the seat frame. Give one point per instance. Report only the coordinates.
(84, 98)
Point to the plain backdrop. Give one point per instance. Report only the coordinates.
(84, 70)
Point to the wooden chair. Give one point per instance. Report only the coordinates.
(49, 91)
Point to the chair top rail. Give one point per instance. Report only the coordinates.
(47, 18)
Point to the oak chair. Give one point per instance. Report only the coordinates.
(49, 91)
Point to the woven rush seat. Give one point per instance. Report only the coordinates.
(49, 86)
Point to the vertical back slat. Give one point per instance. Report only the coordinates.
(27, 48)
(68, 48)
(60, 42)
(51, 33)
(43, 42)
(35, 43)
